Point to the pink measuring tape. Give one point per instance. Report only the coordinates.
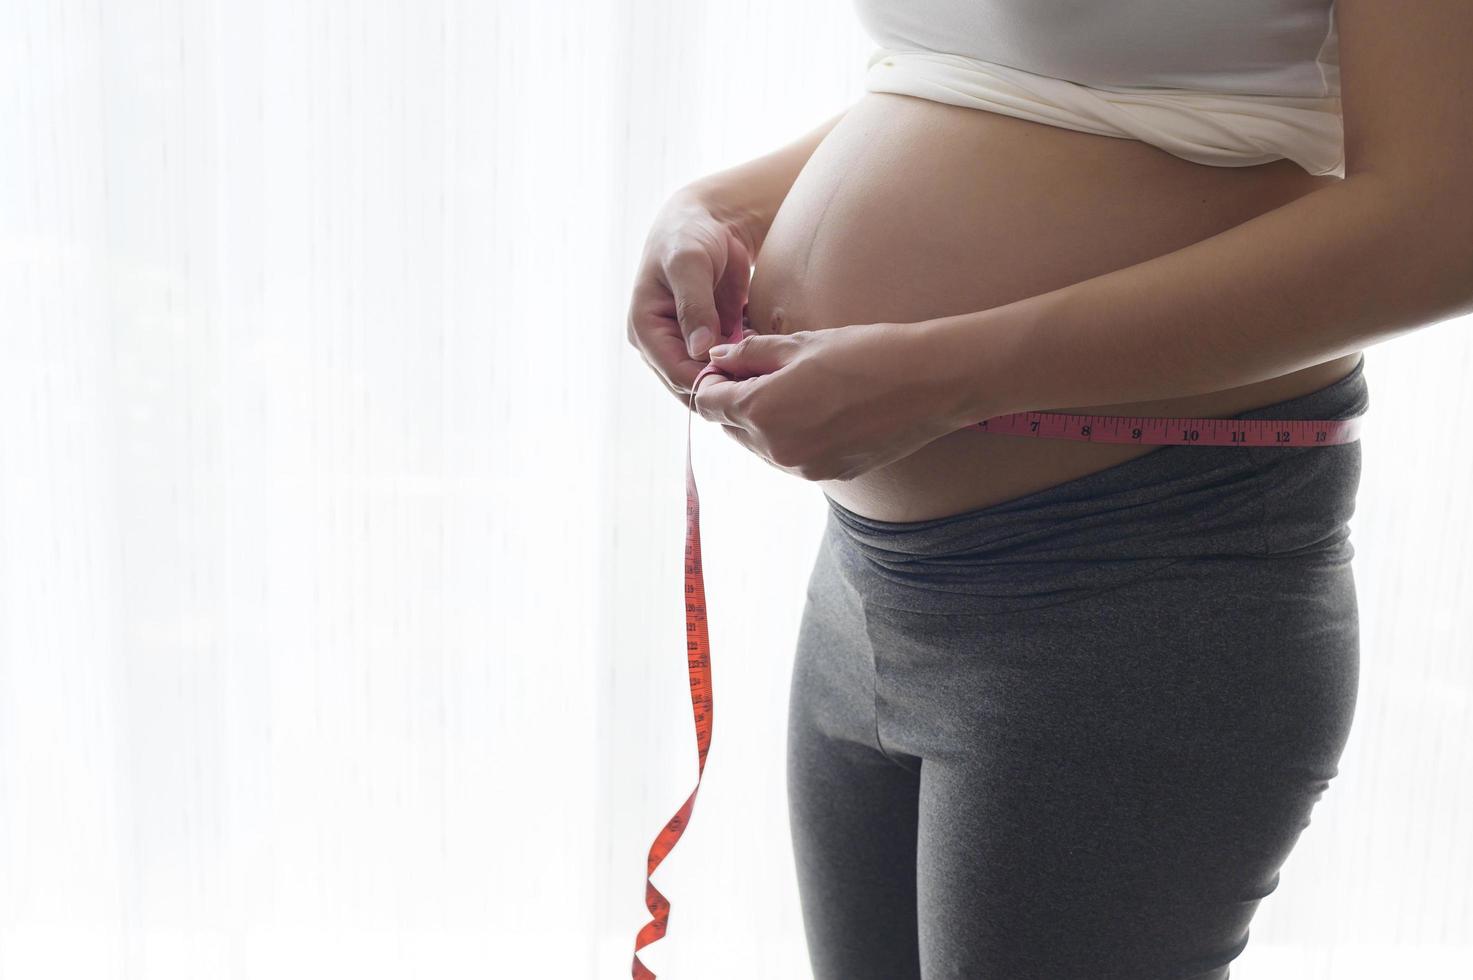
(1041, 425)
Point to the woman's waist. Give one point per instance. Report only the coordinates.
(1115, 523)
(970, 470)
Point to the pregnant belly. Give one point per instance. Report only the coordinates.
(910, 210)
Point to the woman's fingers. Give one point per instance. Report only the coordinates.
(678, 378)
(653, 331)
(690, 294)
(731, 290)
(692, 275)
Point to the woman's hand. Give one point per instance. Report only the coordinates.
(691, 289)
(833, 404)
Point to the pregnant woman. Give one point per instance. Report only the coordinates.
(1060, 710)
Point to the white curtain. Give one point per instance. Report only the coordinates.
(340, 531)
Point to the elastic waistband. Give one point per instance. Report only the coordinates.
(1170, 503)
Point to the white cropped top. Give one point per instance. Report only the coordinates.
(1230, 83)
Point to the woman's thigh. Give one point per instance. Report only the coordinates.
(852, 808)
(1110, 786)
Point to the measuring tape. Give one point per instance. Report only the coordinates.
(1042, 425)
(1174, 432)
(698, 659)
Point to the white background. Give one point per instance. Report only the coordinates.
(340, 531)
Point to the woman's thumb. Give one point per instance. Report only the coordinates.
(752, 355)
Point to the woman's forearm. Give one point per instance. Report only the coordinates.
(748, 195)
(1325, 275)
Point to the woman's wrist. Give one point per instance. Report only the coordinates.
(974, 362)
(746, 197)
(736, 207)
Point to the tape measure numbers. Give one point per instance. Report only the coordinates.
(1042, 425)
(698, 662)
(1174, 432)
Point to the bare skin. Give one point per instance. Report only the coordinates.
(911, 209)
(1229, 288)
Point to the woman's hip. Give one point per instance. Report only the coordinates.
(1211, 661)
(1258, 507)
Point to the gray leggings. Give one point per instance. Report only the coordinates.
(1076, 734)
